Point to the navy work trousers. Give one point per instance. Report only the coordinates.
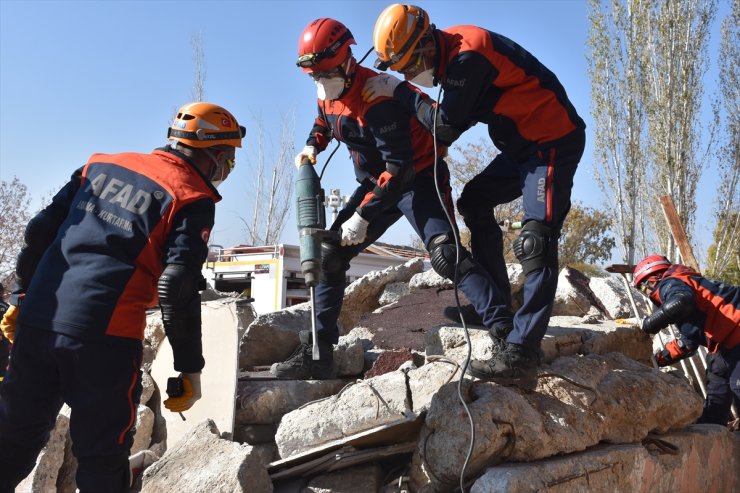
(101, 383)
(421, 207)
(544, 181)
(723, 385)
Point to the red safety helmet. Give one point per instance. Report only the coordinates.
(324, 44)
(650, 266)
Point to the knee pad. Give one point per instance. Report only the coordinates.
(333, 266)
(536, 247)
(443, 254)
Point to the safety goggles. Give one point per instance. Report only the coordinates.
(645, 288)
(414, 65)
(309, 60)
(327, 74)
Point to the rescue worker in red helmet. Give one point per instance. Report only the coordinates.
(125, 230)
(488, 78)
(393, 160)
(706, 312)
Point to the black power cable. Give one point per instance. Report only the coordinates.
(457, 298)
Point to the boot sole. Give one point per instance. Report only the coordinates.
(524, 383)
(287, 375)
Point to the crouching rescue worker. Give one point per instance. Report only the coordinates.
(706, 312)
(394, 160)
(125, 228)
(488, 78)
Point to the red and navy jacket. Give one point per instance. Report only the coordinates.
(717, 314)
(93, 257)
(488, 78)
(379, 134)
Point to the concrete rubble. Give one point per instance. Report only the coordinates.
(600, 419)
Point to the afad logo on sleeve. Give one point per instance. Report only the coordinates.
(205, 234)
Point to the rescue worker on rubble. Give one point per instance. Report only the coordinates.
(125, 229)
(4, 342)
(706, 312)
(488, 78)
(394, 161)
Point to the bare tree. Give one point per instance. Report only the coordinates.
(14, 215)
(724, 254)
(674, 60)
(618, 115)
(198, 93)
(271, 169)
(647, 62)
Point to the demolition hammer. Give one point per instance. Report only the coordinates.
(312, 231)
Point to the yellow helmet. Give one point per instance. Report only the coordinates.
(397, 33)
(205, 125)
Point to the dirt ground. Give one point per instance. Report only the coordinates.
(404, 324)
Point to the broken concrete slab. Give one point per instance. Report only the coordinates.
(573, 296)
(393, 292)
(580, 401)
(613, 296)
(429, 279)
(566, 336)
(202, 461)
(360, 406)
(218, 377)
(273, 336)
(266, 401)
(693, 466)
(376, 443)
(144, 427)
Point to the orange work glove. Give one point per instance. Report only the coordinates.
(8, 323)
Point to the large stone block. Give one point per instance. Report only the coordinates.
(203, 462)
(706, 458)
(579, 402)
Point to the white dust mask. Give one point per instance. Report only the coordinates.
(329, 88)
(425, 78)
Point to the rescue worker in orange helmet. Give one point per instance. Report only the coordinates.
(488, 78)
(393, 159)
(707, 313)
(127, 228)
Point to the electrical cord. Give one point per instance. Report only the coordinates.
(468, 356)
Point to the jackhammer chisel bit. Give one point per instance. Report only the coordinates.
(311, 219)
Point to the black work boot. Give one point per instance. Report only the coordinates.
(514, 365)
(468, 311)
(498, 336)
(301, 366)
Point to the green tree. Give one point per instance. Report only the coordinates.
(585, 238)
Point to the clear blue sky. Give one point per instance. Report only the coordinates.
(78, 77)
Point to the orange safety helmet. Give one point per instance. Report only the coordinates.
(205, 125)
(398, 31)
(648, 267)
(324, 44)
